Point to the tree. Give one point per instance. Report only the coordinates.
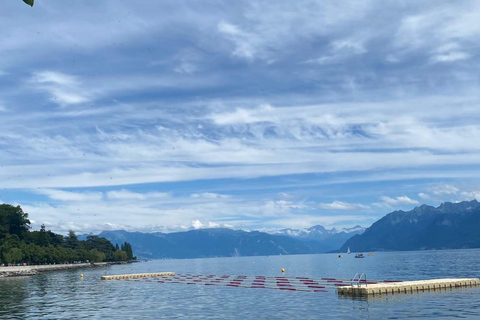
(14, 255)
(18, 244)
(71, 241)
(96, 256)
(99, 243)
(43, 241)
(120, 255)
(13, 221)
(55, 239)
(127, 247)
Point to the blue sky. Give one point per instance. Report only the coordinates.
(168, 115)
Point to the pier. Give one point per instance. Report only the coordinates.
(138, 275)
(365, 289)
(344, 287)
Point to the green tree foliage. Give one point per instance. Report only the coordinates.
(13, 221)
(29, 2)
(120, 255)
(102, 245)
(19, 245)
(13, 255)
(71, 241)
(127, 247)
(97, 256)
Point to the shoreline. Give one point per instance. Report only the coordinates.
(18, 271)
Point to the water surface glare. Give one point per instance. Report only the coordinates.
(64, 295)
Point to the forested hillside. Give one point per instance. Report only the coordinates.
(20, 245)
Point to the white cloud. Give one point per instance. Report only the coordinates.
(398, 200)
(424, 195)
(305, 221)
(196, 224)
(128, 195)
(448, 53)
(470, 195)
(64, 89)
(209, 195)
(445, 189)
(70, 196)
(263, 113)
(349, 46)
(245, 43)
(450, 28)
(285, 195)
(186, 67)
(411, 31)
(343, 206)
(450, 56)
(281, 207)
(340, 50)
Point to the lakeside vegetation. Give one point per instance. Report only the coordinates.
(20, 245)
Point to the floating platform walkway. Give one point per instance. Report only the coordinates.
(344, 287)
(365, 289)
(137, 275)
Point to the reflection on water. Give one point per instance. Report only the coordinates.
(64, 295)
(13, 291)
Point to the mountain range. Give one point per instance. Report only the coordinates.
(449, 226)
(331, 239)
(222, 242)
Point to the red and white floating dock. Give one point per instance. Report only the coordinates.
(348, 287)
(257, 282)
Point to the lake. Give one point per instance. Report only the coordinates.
(65, 295)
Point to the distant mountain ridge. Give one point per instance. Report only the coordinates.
(449, 226)
(332, 239)
(222, 242)
(317, 232)
(216, 242)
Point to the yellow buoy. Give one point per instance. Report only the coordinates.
(283, 270)
(81, 275)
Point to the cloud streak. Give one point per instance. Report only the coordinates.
(343, 206)
(403, 200)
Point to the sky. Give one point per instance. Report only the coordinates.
(255, 115)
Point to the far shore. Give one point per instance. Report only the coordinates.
(16, 271)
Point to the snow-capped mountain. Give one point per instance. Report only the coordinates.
(318, 232)
(331, 238)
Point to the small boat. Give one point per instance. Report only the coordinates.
(348, 250)
(360, 255)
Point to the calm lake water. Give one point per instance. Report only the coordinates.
(64, 295)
